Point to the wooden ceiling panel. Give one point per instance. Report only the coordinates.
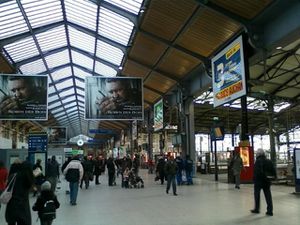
(159, 82)
(246, 8)
(208, 32)
(146, 50)
(178, 63)
(133, 69)
(150, 96)
(165, 18)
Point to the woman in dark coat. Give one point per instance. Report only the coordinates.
(18, 208)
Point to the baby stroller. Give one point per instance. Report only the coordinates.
(135, 181)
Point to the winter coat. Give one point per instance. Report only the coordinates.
(75, 164)
(237, 165)
(18, 207)
(42, 199)
(170, 168)
(263, 168)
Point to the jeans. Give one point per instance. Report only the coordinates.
(189, 177)
(73, 191)
(171, 179)
(179, 177)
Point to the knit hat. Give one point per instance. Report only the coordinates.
(46, 186)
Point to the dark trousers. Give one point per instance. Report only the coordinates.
(111, 179)
(46, 222)
(268, 196)
(171, 179)
(97, 179)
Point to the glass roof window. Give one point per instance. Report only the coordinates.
(68, 99)
(81, 40)
(104, 70)
(82, 60)
(53, 105)
(65, 93)
(52, 98)
(64, 84)
(81, 104)
(114, 26)
(52, 39)
(58, 59)
(56, 110)
(81, 92)
(60, 114)
(79, 73)
(132, 6)
(51, 89)
(23, 49)
(109, 53)
(80, 83)
(59, 74)
(80, 99)
(11, 20)
(82, 12)
(34, 67)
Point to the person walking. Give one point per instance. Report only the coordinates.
(189, 170)
(46, 204)
(74, 174)
(263, 169)
(3, 178)
(39, 177)
(88, 168)
(180, 167)
(18, 208)
(160, 169)
(170, 170)
(111, 169)
(52, 172)
(237, 166)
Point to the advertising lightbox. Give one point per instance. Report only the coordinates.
(23, 97)
(114, 98)
(159, 115)
(228, 73)
(57, 135)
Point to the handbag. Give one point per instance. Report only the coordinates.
(7, 193)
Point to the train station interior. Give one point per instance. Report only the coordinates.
(206, 78)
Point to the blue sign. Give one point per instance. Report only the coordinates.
(101, 131)
(37, 143)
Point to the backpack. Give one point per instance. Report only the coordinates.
(72, 175)
(49, 211)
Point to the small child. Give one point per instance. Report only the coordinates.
(46, 204)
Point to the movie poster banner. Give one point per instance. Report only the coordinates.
(113, 98)
(228, 75)
(159, 115)
(57, 135)
(23, 97)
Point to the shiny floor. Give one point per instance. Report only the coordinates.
(206, 202)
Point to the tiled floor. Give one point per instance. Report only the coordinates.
(206, 202)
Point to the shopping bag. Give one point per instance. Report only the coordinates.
(7, 193)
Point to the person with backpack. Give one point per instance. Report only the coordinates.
(74, 173)
(46, 204)
(263, 170)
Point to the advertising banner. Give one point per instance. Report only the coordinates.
(23, 97)
(158, 115)
(228, 75)
(57, 135)
(113, 98)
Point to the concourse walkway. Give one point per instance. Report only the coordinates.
(206, 202)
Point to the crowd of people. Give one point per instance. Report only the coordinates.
(81, 171)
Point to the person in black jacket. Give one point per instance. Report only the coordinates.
(18, 208)
(111, 171)
(47, 195)
(263, 169)
(52, 172)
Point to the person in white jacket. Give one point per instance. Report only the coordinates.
(74, 173)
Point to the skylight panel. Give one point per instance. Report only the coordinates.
(71, 104)
(22, 49)
(81, 104)
(11, 20)
(58, 59)
(81, 40)
(132, 6)
(34, 67)
(51, 90)
(109, 53)
(64, 84)
(82, 12)
(52, 98)
(67, 92)
(80, 99)
(52, 39)
(60, 114)
(104, 70)
(68, 99)
(56, 110)
(79, 73)
(82, 93)
(82, 60)
(114, 26)
(62, 73)
(68, 110)
(79, 83)
(53, 105)
(42, 12)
